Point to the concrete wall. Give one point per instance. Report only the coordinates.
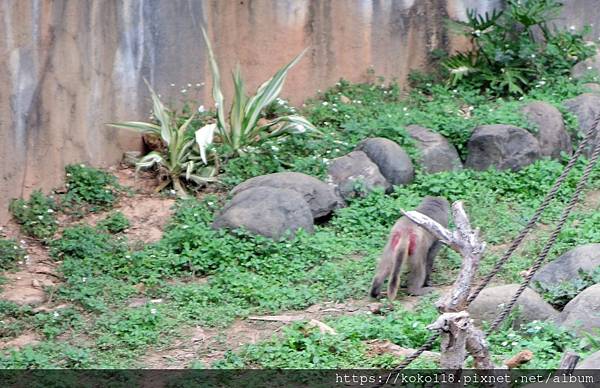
(69, 66)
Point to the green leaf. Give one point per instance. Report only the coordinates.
(162, 115)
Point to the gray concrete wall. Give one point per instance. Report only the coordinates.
(70, 66)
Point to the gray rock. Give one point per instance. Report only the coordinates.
(592, 87)
(392, 160)
(437, 154)
(551, 132)
(487, 305)
(567, 266)
(320, 196)
(590, 66)
(582, 314)
(585, 106)
(354, 169)
(266, 211)
(501, 146)
(590, 362)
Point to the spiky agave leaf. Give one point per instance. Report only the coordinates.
(265, 94)
(162, 114)
(139, 126)
(216, 88)
(149, 160)
(289, 124)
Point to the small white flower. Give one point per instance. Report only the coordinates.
(198, 85)
(189, 85)
(415, 324)
(201, 109)
(83, 279)
(572, 28)
(55, 314)
(40, 217)
(172, 84)
(210, 203)
(127, 256)
(82, 165)
(183, 90)
(185, 226)
(504, 343)
(532, 55)
(50, 211)
(589, 67)
(153, 311)
(172, 192)
(515, 344)
(325, 103)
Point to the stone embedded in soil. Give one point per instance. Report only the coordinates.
(585, 107)
(567, 266)
(437, 153)
(582, 314)
(504, 147)
(355, 174)
(320, 197)
(551, 133)
(490, 301)
(266, 211)
(391, 159)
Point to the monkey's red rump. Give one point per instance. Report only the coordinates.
(412, 243)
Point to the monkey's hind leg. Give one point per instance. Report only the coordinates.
(418, 274)
(394, 282)
(383, 268)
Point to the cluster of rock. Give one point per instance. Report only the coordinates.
(276, 204)
(280, 204)
(581, 314)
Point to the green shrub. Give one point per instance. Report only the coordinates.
(10, 253)
(87, 186)
(507, 56)
(114, 223)
(36, 216)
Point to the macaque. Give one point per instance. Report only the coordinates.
(412, 245)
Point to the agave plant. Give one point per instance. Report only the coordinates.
(243, 127)
(180, 160)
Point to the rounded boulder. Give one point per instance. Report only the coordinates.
(504, 147)
(393, 162)
(491, 300)
(266, 211)
(320, 197)
(355, 174)
(437, 154)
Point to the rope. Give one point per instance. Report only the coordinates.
(519, 239)
(552, 240)
(538, 213)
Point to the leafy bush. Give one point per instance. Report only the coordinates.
(90, 186)
(243, 128)
(36, 216)
(180, 161)
(114, 223)
(508, 56)
(10, 253)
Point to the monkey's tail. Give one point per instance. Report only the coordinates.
(403, 249)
